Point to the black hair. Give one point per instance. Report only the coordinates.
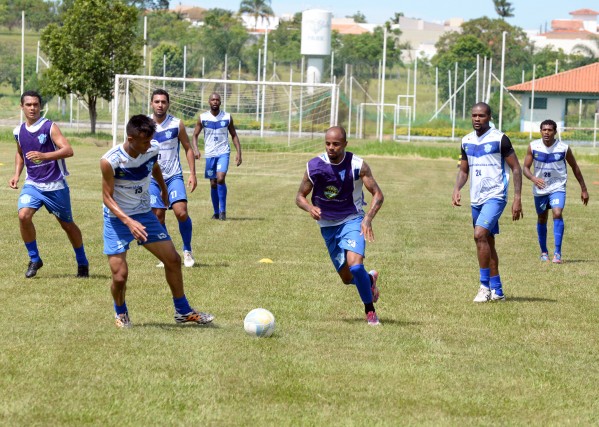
(485, 105)
(32, 93)
(161, 92)
(550, 123)
(141, 124)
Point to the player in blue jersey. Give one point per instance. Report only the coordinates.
(335, 180)
(126, 171)
(217, 126)
(41, 149)
(549, 156)
(170, 134)
(485, 153)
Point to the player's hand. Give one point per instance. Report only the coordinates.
(366, 229)
(138, 230)
(13, 182)
(197, 155)
(517, 210)
(35, 156)
(315, 212)
(584, 196)
(539, 182)
(192, 183)
(456, 198)
(238, 159)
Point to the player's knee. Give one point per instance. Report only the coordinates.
(26, 215)
(119, 279)
(172, 260)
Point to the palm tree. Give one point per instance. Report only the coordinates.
(503, 8)
(256, 8)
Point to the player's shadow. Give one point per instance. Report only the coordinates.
(578, 261)
(72, 276)
(177, 326)
(246, 218)
(530, 299)
(355, 320)
(205, 265)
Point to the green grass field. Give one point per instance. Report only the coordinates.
(437, 358)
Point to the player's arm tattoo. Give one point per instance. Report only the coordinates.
(305, 188)
(374, 189)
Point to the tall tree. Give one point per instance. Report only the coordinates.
(256, 8)
(96, 41)
(358, 17)
(503, 8)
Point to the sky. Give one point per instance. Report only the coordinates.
(529, 14)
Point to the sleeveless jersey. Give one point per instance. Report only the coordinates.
(550, 165)
(337, 188)
(131, 179)
(216, 133)
(167, 137)
(489, 177)
(46, 175)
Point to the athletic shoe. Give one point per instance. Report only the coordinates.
(33, 267)
(494, 297)
(83, 271)
(483, 295)
(557, 258)
(122, 320)
(160, 265)
(375, 291)
(222, 216)
(188, 260)
(215, 216)
(194, 316)
(372, 318)
(545, 257)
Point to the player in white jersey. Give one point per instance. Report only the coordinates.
(217, 126)
(170, 134)
(487, 151)
(126, 171)
(549, 156)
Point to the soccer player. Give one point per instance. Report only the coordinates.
(217, 125)
(126, 171)
(486, 151)
(335, 179)
(41, 149)
(170, 134)
(549, 156)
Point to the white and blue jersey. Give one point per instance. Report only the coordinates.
(489, 177)
(167, 137)
(549, 165)
(216, 133)
(131, 179)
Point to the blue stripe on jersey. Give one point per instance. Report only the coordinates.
(539, 156)
(165, 135)
(218, 124)
(135, 174)
(481, 150)
(356, 174)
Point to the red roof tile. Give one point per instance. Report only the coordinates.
(584, 12)
(579, 80)
(566, 25)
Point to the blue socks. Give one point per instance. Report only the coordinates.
(214, 197)
(120, 309)
(484, 277)
(80, 256)
(558, 234)
(185, 228)
(496, 285)
(362, 280)
(34, 254)
(182, 305)
(542, 233)
(222, 196)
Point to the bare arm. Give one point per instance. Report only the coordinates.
(157, 175)
(512, 161)
(460, 181)
(196, 133)
(584, 195)
(136, 228)
(235, 140)
(191, 155)
(64, 148)
(539, 182)
(19, 164)
(377, 201)
(301, 199)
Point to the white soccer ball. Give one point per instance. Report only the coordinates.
(259, 323)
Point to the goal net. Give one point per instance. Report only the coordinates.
(280, 124)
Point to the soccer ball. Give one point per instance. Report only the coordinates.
(259, 323)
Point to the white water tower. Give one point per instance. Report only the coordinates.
(316, 41)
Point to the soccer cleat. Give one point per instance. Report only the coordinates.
(557, 258)
(194, 316)
(33, 267)
(215, 216)
(372, 318)
(375, 290)
(83, 271)
(222, 216)
(122, 320)
(160, 265)
(483, 295)
(545, 257)
(188, 260)
(495, 297)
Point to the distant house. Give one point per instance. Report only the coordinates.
(552, 95)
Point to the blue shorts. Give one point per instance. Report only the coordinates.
(487, 215)
(176, 192)
(216, 164)
(117, 235)
(344, 237)
(57, 202)
(550, 201)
